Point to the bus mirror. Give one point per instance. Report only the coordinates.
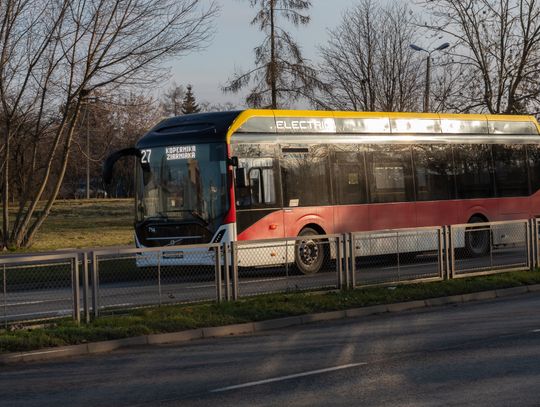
(240, 175)
(233, 161)
(113, 158)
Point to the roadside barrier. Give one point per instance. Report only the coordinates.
(87, 284)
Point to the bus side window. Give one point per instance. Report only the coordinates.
(434, 172)
(474, 171)
(510, 165)
(390, 173)
(260, 188)
(533, 158)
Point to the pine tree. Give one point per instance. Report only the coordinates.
(281, 73)
(189, 105)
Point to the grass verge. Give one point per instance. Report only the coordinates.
(79, 223)
(182, 317)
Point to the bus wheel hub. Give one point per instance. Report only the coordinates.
(308, 252)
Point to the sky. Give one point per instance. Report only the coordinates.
(232, 47)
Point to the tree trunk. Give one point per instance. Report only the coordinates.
(273, 57)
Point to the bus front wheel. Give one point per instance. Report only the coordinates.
(308, 253)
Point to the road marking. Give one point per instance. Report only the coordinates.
(292, 376)
(535, 330)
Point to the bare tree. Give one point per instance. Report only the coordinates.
(107, 124)
(53, 56)
(281, 73)
(367, 63)
(171, 101)
(496, 45)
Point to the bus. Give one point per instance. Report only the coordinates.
(264, 174)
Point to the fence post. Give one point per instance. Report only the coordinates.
(94, 266)
(227, 270)
(86, 288)
(452, 256)
(75, 288)
(4, 291)
(352, 254)
(533, 243)
(219, 288)
(234, 263)
(536, 241)
(159, 256)
(339, 262)
(442, 257)
(346, 257)
(398, 257)
(530, 248)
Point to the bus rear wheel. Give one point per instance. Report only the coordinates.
(477, 243)
(308, 253)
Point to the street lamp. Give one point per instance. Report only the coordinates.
(86, 101)
(428, 68)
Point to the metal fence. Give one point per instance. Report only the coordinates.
(490, 247)
(287, 265)
(39, 287)
(130, 278)
(87, 284)
(396, 256)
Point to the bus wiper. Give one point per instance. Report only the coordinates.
(193, 213)
(199, 216)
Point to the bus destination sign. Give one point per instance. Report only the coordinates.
(180, 152)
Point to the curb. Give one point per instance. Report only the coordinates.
(253, 327)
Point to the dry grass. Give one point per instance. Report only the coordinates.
(87, 223)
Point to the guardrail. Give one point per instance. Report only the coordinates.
(96, 282)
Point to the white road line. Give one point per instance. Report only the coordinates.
(292, 376)
(535, 330)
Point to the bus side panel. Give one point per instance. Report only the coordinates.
(252, 225)
(436, 213)
(486, 207)
(514, 208)
(535, 205)
(295, 218)
(392, 215)
(351, 218)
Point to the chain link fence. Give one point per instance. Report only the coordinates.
(132, 278)
(395, 256)
(40, 287)
(287, 265)
(490, 247)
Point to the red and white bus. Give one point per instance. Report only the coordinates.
(260, 174)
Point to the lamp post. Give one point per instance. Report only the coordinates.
(428, 69)
(86, 101)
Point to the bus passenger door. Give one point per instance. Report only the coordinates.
(305, 179)
(258, 202)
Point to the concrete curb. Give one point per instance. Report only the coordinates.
(253, 327)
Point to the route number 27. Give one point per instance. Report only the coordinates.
(145, 159)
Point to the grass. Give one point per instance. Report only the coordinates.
(182, 317)
(86, 223)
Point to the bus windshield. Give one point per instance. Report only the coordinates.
(183, 183)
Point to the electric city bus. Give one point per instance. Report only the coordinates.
(262, 174)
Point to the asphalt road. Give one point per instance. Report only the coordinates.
(485, 353)
(28, 303)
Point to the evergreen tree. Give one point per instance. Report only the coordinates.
(189, 105)
(281, 73)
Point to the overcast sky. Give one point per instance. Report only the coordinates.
(232, 47)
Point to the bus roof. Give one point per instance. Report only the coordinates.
(220, 126)
(305, 121)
